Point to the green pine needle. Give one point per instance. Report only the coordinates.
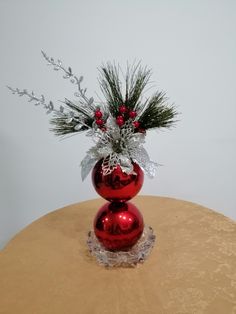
(60, 123)
(157, 114)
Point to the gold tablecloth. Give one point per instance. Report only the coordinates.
(47, 269)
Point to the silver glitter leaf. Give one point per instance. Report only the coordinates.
(86, 165)
(126, 164)
(110, 163)
(91, 100)
(78, 127)
(141, 157)
(69, 120)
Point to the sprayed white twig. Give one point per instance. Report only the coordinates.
(81, 93)
(49, 106)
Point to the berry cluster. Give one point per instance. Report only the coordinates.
(99, 120)
(124, 114)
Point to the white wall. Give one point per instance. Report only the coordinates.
(191, 47)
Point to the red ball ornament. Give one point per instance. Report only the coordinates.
(118, 226)
(99, 122)
(136, 124)
(98, 114)
(120, 120)
(117, 186)
(122, 109)
(132, 114)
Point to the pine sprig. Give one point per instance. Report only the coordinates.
(111, 87)
(79, 119)
(151, 113)
(157, 113)
(61, 126)
(136, 80)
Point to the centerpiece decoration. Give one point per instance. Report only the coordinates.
(118, 160)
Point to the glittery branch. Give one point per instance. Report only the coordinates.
(37, 100)
(68, 74)
(68, 119)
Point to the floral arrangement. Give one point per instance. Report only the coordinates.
(119, 125)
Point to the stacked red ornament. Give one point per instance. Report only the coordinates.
(118, 224)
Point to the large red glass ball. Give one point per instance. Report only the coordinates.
(118, 226)
(117, 186)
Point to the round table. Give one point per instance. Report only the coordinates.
(47, 268)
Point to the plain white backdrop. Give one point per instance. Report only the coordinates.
(191, 48)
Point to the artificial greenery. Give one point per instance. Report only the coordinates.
(152, 113)
(119, 90)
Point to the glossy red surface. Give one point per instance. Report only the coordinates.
(118, 226)
(117, 186)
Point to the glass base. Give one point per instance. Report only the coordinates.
(129, 258)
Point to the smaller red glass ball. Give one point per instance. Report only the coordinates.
(122, 109)
(99, 122)
(118, 226)
(98, 114)
(136, 124)
(132, 114)
(117, 186)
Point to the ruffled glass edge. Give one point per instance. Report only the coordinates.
(130, 258)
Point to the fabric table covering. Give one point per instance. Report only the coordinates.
(47, 268)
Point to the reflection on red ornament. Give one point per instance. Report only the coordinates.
(117, 186)
(118, 226)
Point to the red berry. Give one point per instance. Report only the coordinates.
(120, 120)
(103, 129)
(122, 109)
(99, 122)
(132, 114)
(98, 114)
(141, 130)
(136, 124)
